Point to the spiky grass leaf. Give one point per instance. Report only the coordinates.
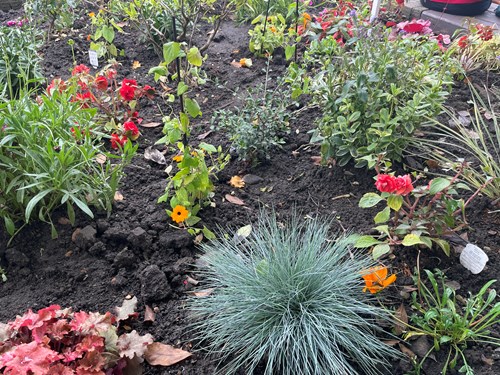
(291, 297)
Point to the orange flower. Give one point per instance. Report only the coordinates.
(307, 19)
(178, 158)
(179, 214)
(273, 29)
(377, 280)
(91, 14)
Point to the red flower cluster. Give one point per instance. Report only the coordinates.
(127, 91)
(130, 130)
(80, 69)
(484, 32)
(101, 83)
(57, 84)
(463, 42)
(401, 185)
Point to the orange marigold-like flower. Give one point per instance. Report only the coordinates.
(179, 214)
(377, 279)
(178, 158)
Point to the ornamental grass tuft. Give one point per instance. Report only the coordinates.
(290, 298)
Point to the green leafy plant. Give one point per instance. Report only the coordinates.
(51, 155)
(247, 10)
(257, 128)
(289, 295)
(104, 29)
(415, 216)
(374, 93)
(60, 14)
(268, 34)
(440, 317)
(20, 62)
(191, 187)
(478, 143)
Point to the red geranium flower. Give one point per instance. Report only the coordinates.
(101, 83)
(117, 141)
(84, 98)
(390, 24)
(130, 130)
(127, 91)
(80, 69)
(463, 41)
(111, 73)
(57, 84)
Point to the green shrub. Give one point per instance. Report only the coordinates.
(60, 14)
(19, 62)
(257, 128)
(375, 93)
(51, 155)
(247, 10)
(291, 296)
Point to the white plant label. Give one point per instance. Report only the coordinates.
(473, 258)
(94, 61)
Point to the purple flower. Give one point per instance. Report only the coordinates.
(352, 13)
(11, 23)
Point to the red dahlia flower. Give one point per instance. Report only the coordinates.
(117, 141)
(101, 83)
(130, 130)
(80, 69)
(127, 91)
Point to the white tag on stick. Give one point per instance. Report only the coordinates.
(94, 61)
(473, 258)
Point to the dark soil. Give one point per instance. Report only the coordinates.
(135, 251)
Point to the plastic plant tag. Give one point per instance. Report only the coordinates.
(94, 61)
(473, 258)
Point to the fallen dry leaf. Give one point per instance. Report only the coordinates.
(204, 135)
(149, 314)
(486, 360)
(75, 234)
(203, 293)
(246, 63)
(234, 200)
(150, 124)
(407, 351)
(154, 155)
(401, 320)
(316, 160)
(118, 196)
(197, 240)
(237, 182)
(136, 65)
(64, 221)
(236, 64)
(127, 309)
(158, 354)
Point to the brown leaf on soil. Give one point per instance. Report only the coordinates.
(236, 64)
(432, 164)
(197, 240)
(158, 354)
(407, 351)
(149, 314)
(150, 124)
(486, 360)
(118, 196)
(64, 221)
(204, 135)
(127, 309)
(237, 182)
(316, 160)
(401, 320)
(391, 342)
(75, 234)
(234, 200)
(203, 293)
(136, 65)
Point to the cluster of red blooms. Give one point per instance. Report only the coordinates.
(401, 185)
(95, 92)
(484, 33)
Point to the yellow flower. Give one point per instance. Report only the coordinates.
(377, 280)
(273, 29)
(179, 214)
(91, 14)
(178, 158)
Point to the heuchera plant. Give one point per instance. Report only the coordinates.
(57, 341)
(117, 103)
(420, 215)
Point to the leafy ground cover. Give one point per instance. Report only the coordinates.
(96, 263)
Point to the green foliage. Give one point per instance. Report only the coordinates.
(59, 13)
(104, 29)
(191, 186)
(374, 93)
(265, 41)
(439, 316)
(479, 141)
(19, 62)
(247, 10)
(257, 128)
(48, 158)
(291, 296)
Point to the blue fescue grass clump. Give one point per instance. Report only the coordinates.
(291, 297)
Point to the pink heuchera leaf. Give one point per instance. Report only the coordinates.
(90, 343)
(92, 323)
(132, 344)
(60, 369)
(28, 359)
(91, 364)
(127, 309)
